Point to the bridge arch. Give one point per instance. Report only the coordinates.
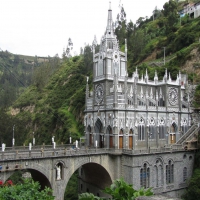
(38, 174)
(102, 179)
(93, 174)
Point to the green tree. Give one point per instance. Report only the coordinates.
(196, 101)
(119, 190)
(120, 25)
(170, 13)
(69, 48)
(87, 58)
(26, 190)
(193, 191)
(71, 191)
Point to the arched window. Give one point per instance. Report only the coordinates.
(162, 130)
(109, 130)
(141, 131)
(98, 126)
(144, 176)
(159, 173)
(161, 102)
(184, 174)
(152, 129)
(169, 172)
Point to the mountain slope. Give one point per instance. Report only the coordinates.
(56, 109)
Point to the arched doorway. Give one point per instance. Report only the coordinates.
(99, 133)
(121, 139)
(131, 139)
(173, 130)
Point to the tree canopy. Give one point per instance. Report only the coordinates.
(119, 190)
(26, 190)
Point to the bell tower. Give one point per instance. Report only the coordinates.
(108, 62)
(109, 73)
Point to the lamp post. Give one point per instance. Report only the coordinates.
(13, 140)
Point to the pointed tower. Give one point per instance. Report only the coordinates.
(109, 58)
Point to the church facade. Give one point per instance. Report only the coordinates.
(132, 112)
(145, 119)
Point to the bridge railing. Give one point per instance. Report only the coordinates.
(38, 147)
(170, 148)
(47, 152)
(38, 153)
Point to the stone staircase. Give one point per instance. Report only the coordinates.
(189, 139)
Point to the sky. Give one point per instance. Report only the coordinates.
(42, 27)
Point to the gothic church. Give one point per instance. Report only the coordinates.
(132, 112)
(141, 124)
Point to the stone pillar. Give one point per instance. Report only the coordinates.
(147, 137)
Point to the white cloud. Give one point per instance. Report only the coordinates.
(42, 27)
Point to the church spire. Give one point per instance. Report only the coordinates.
(109, 28)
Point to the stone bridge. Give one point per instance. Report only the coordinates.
(42, 163)
(100, 166)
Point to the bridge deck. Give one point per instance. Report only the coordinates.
(38, 152)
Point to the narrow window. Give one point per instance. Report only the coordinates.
(169, 173)
(184, 174)
(144, 176)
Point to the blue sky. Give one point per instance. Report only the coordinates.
(42, 27)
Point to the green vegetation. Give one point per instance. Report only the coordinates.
(197, 97)
(147, 38)
(193, 190)
(26, 190)
(71, 191)
(119, 190)
(53, 103)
